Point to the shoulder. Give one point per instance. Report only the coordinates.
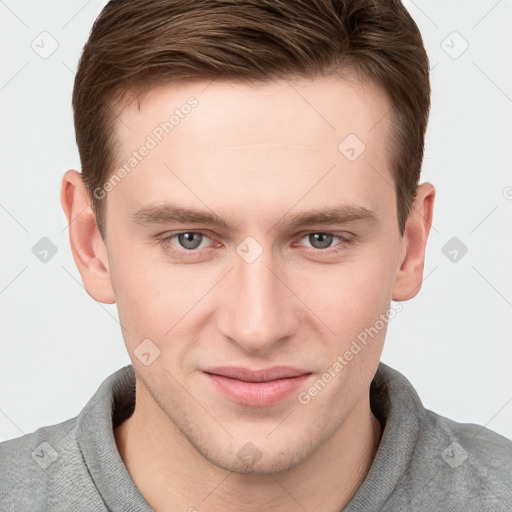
(28, 454)
(470, 462)
(432, 462)
(487, 452)
(44, 470)
(483, 444)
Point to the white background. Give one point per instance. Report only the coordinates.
(453, 341)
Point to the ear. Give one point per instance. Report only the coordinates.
(409, 277)
(89, 250)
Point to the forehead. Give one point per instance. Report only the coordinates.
(280, 137)
(234, 111)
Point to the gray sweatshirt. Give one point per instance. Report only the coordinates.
(424, 462)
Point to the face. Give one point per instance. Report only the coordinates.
(251, 245)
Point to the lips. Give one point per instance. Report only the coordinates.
(256, 387)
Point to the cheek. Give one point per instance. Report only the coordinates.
(158, 300)
(152, 296)
(352, 293)
(353, 300)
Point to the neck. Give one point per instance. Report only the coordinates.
(171, 475)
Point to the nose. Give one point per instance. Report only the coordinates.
(258, 309)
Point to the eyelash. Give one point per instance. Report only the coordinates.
(165, 241)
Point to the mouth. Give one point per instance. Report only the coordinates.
(257, 388)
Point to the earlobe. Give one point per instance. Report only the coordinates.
(409, 277)
(88, 248)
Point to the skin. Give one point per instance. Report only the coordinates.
(254, 156)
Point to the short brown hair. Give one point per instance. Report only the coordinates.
(135, 44)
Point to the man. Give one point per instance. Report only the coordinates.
(250, 200)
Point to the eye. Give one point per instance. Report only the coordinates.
(185, 241)
(189, 240)
(321, 240)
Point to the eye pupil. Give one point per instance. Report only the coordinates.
(187, 241)
(320, 240)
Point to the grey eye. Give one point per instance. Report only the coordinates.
(187, 240)
(320, 240)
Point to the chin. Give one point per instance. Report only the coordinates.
(261, 457)
(266, 465)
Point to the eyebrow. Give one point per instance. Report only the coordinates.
(169, 212)
(337, 215)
